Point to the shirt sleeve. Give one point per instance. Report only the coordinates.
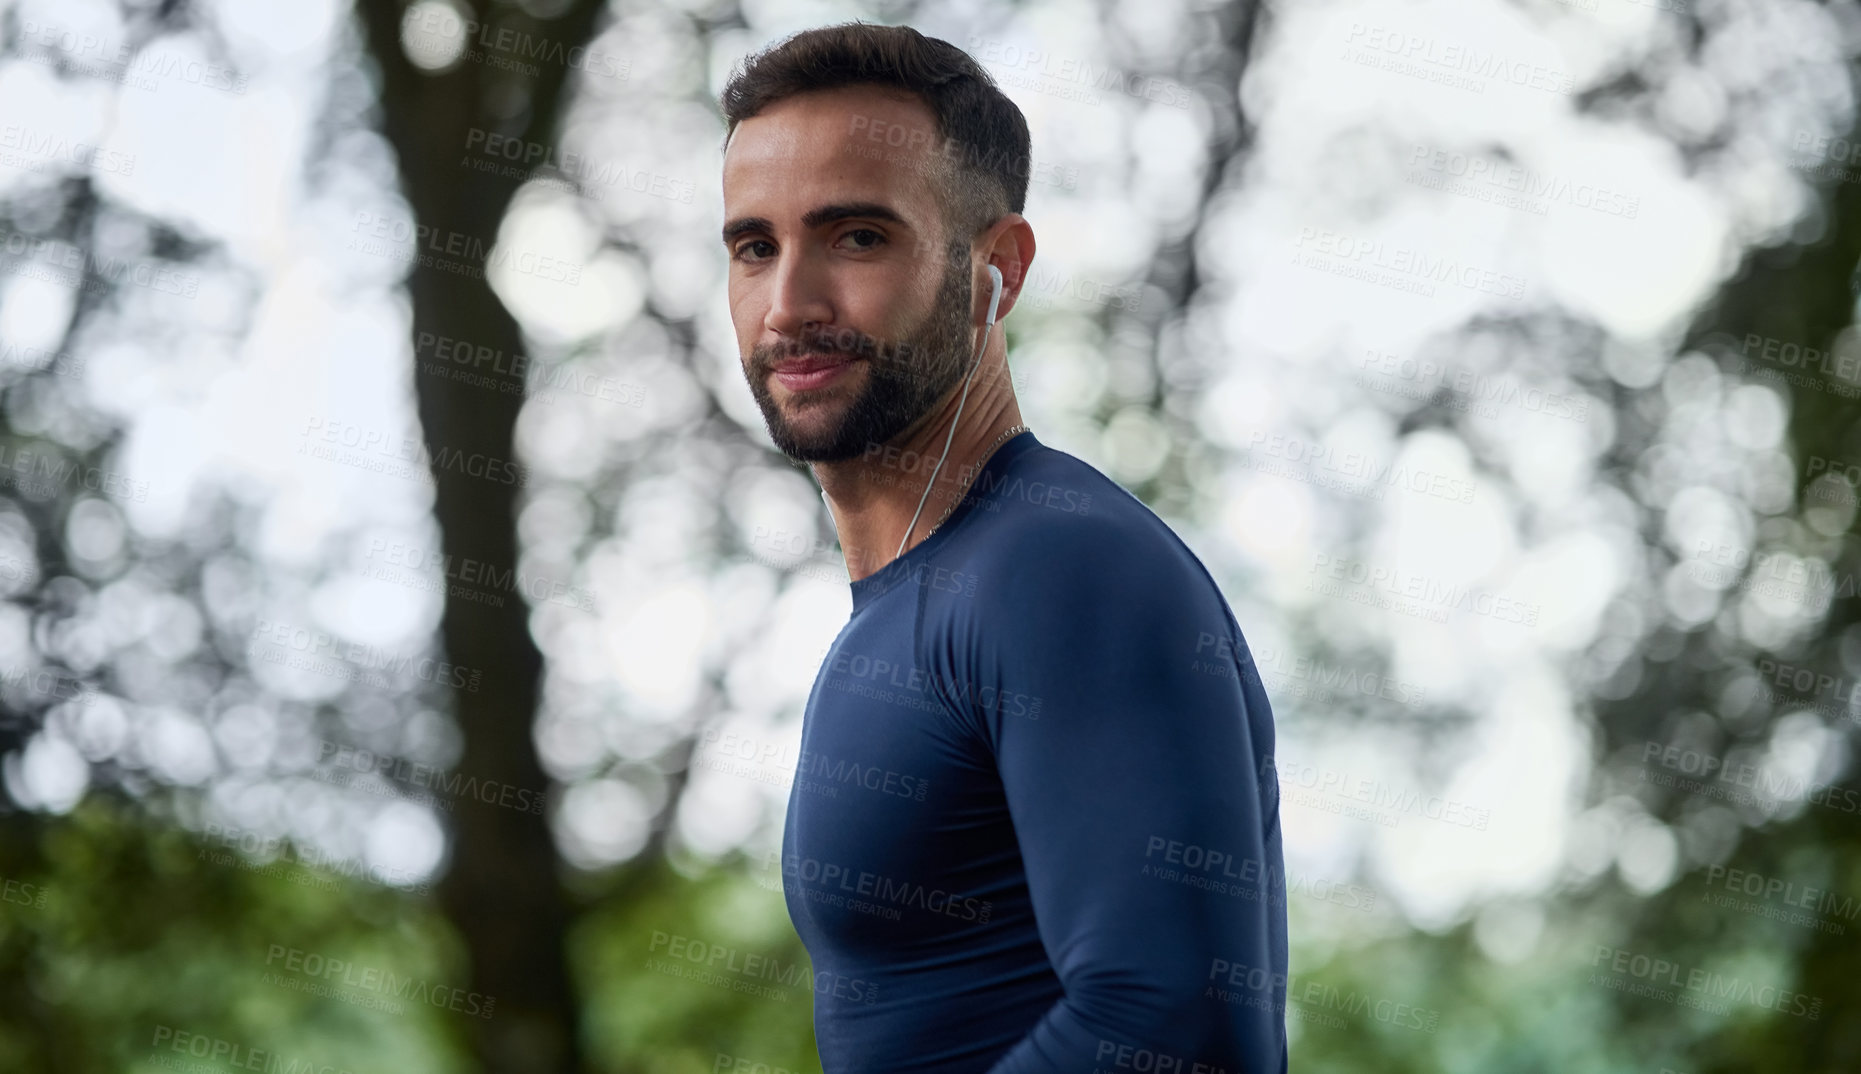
(1136, 760)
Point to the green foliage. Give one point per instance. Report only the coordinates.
(686, 970)
(134, 936)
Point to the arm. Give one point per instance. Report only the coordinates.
(1151, 848)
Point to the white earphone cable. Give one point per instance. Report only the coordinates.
(974, 365)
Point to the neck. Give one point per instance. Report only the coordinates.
(873, 497)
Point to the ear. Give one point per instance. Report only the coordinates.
(1009, 248)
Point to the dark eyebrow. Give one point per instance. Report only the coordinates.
(825, 214)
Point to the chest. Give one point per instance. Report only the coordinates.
(897, 826)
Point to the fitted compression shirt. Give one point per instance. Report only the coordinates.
(1034, 827)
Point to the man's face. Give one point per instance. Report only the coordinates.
(838, 254)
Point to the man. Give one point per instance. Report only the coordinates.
(1034, 828)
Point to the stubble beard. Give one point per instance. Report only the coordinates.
(904, 380)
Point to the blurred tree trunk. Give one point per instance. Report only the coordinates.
(502, 891)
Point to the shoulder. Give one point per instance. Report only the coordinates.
(1060, 534)
(1091, 616)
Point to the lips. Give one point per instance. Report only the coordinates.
(811, 371)
(810, 363)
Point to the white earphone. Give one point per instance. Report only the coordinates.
(995, 299)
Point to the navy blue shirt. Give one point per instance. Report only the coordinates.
(1034, 827)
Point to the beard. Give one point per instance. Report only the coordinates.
(904, 379)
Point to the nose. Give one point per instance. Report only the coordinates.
(798, 296)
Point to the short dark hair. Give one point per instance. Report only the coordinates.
(985, 158)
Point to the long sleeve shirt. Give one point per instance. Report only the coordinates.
(1034, 827)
